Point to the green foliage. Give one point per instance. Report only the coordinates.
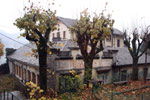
(71, 82)
(74, 82)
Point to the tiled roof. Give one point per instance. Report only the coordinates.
(19, 55)
(123, 57)
(68, 22)
(71, 22)
(117, 32)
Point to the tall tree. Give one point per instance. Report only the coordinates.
(1, 49)
(134, 44)
(37, 24)
(90, 33)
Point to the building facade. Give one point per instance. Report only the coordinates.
(114, 63)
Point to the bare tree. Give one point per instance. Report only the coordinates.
(134, 41)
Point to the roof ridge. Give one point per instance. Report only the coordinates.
(66, 18)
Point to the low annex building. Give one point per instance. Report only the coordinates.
(114, 63)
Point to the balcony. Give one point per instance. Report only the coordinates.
(55, 39)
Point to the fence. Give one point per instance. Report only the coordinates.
(5, 95)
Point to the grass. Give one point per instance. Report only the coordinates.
(7, 82)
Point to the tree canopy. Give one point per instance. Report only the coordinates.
(90, 32)
(37, 23)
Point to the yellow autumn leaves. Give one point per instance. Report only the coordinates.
(73, 72)
(1, 49)
(96, 28)
(35, 91)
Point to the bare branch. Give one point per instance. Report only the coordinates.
(29, 38)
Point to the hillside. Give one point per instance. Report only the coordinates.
(8, 43)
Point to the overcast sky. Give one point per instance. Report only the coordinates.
(125, 12)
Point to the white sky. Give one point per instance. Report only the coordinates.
(125, 12)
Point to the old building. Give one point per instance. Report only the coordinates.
(114, 63)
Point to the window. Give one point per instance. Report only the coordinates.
(119, 75)
(145, 72)
(109, 38)
(29, 76)
(19, 71)
(53, 35)
(15, 69)
(58, 34)
(33, 78)
(38, 80)
(103, 76)
(64, 34)
(24, 74)
(123, 75)
(58, 29)
(118, 43)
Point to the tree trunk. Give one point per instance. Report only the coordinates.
(135, 70)
(43, 69)
(145, 69)
(88, 70)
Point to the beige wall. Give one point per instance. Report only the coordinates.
(62, 28)
(25, 73)
(113, 41)
(140, 71)
(78, 63)
(64, 64)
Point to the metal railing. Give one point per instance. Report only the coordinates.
(141, 96)
(5, 95)
(111, 94)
